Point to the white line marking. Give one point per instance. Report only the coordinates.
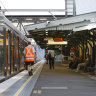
(54, 87)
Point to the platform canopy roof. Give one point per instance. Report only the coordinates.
(62, 28)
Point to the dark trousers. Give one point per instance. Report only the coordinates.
(51, 63)
(46, 61)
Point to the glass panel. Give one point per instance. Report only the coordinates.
(7, 64)
(8, 48)
(11, 52)
(17, 57)
(1, 52)
(14, 52)
(21, 47)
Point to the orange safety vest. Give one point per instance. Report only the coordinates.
(29, 55)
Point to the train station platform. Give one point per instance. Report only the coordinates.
(61, 81)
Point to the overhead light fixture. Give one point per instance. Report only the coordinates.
(51, 42)
(46, 34)
(1, 34)
(14, 20)
(29, 19)
(42, 19)
(91, 33)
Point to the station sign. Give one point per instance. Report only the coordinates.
(58, 39)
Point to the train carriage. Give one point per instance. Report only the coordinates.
(12, 43)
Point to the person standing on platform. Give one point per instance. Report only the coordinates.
(51, 59)
(29, 58)
(46, 56)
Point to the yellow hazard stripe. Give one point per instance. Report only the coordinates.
(22, 87)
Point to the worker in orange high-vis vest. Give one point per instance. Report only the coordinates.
(29, 58)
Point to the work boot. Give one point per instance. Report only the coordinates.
(29, 73)
(76, 70)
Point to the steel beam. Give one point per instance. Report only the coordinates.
(33, 10)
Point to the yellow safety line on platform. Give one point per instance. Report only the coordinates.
(22, 87)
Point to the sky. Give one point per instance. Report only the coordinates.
(35, 4)
(85, 6)
(82, 6)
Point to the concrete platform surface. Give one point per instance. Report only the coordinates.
(63, 81)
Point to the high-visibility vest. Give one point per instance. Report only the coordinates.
(29, 55)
